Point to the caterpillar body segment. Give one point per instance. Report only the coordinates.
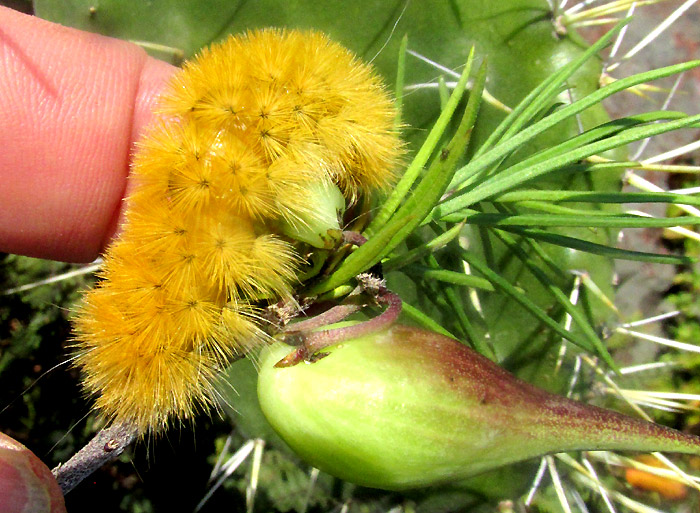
(247, 131)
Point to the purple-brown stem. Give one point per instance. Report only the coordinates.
(355, 238)
(330, 316)
(311, 343)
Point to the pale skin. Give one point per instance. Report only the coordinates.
(71, 108)
(73, 104)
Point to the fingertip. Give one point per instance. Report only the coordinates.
(26, 483)
(72, 105)
(154, 75)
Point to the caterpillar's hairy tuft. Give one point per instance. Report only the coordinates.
(246, 128)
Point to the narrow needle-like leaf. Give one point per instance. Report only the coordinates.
(400, 79)
(432, 246)
(452, 277)
(533, 167)
(592, 221)
(578, 317)
(596, 197)
(543, 94)
(426, 194)
(521, 298)
(600, 249)
(506, 147)
(427, 322)
(413, 170)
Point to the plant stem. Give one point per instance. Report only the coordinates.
(106, 446)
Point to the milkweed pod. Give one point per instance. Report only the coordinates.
(407, 408)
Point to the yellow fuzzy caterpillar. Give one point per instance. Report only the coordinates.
(249, 129)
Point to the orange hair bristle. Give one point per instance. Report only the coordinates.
(246, 128)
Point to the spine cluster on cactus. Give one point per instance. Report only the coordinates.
(246, 130)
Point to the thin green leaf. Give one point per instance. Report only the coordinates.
(521, 298)
(528, 169)
(509, 145)
(443, 92)
(576, 315)
(538, 251)
(425, 321)
(440, 173)
(400, 81)
(418, 205)
(452, 277)
(454, 300)
(553, 208)
(597, 197)
(541, 95)
(590, 166)
(600, 249)
(597, 133)
(583, 221)
(413, 170)
(414, 254)
(606, 130)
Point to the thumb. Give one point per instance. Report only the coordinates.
(26, 484)
(71, 105)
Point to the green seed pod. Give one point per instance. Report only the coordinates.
(406, 407)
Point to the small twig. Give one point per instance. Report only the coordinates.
(309, 344)
(276, 316)
(107, 445)
(330, 316)
(355, 238)
(281, 314)
(318, 340)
